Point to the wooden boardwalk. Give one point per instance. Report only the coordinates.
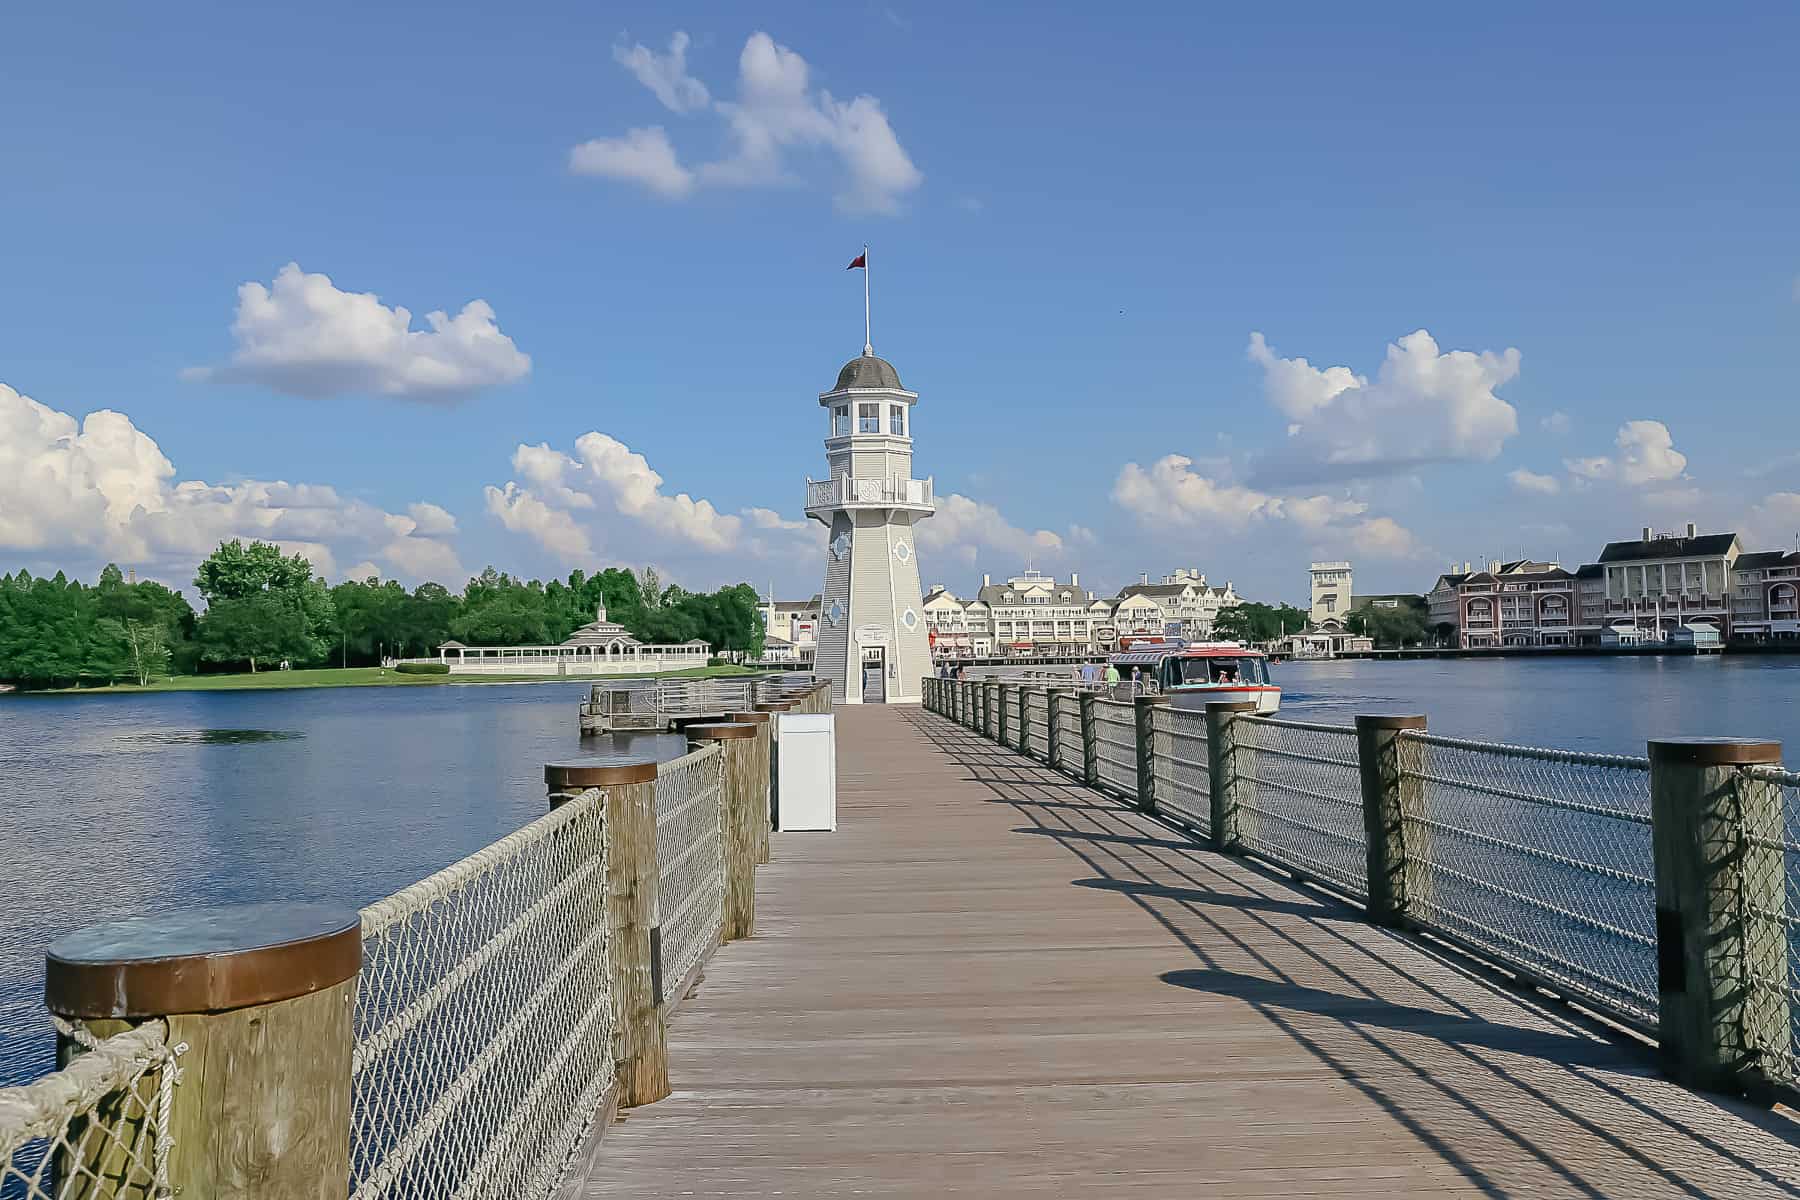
(994, 982)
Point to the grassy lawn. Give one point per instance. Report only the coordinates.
(366, 677)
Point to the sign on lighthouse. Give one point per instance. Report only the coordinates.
(871, 643)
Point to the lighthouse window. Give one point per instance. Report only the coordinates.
(868, 418)
(897, 420)
(840, 421)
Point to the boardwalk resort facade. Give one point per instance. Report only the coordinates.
(1676, 587)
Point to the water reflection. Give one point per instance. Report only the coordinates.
(118, 805)
(207, 737)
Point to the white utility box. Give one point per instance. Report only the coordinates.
(807, 770)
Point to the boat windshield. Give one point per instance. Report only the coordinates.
(1202, 672)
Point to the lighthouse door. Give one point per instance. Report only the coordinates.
(874, 679)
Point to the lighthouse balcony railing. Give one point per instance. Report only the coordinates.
(845, 492)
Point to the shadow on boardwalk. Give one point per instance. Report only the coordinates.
(995, 982)
(1528, 1079)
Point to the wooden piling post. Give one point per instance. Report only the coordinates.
(1230, 764)
(1143, 725)
(1722, 970)
(1008, 714)
(765, 750)
(746, 778)
(633, 936)
(775, 708)
(1387, 796)
(990, 694)
(1090, 743)
(1054, 698)
(264, 997)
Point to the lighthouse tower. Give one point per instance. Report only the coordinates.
(872, 643)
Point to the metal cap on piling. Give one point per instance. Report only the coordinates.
(202, 960)
(755, 718)
(259, 1000)
(1715, 751)
(1390, 721)
(721, 731)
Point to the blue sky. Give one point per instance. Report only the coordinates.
(1078, 220)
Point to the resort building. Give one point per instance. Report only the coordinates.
(957, 628)
(1032, 614)
(601, 647)
(1181, 605)
(1665, 581)
(1590, 604)
(1765, 596)
(790, 630)
(1518, 603)
(1330, 591)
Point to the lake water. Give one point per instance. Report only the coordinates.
(115, 805)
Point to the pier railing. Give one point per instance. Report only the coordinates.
(1661, 892)
(101, 1121)
(467, 1036)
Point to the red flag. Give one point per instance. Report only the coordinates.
(861, 260)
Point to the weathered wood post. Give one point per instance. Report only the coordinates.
(1722, 969)
(633, 936)
(1090, 742)
(264, 997)
(744, 799)
(1388, 794)
(1009, 714)
(1022, 736)
(1230, 766)
(775, 708)
(765, 734)
(1054, 698)
(1144, 726)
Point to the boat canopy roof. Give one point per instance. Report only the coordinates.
(1149, 657)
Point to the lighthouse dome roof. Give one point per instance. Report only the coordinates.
(867, 371)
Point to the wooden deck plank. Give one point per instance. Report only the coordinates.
(992, 981)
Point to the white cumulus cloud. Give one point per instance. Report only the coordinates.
(642, 156)
(1171, 494)
(776, 113)
(1533, 483)
(1646, 455)
(963, 529)
(603, 498)
(666, 75)
(1425, 405)
(303, 336)
(82, 492)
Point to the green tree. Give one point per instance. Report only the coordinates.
(259, 628)
(1253, 622)
(148, 650)
(235, 571)
(1407, 624)
(261, 605)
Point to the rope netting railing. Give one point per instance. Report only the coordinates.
(484, 1019)
(1769, 798)
(690, 859)
(1115, 746)
(1302, 806)
(97, 1127)
(1183, 780)
(1538, 858)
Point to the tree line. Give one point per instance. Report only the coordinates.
(263, 608)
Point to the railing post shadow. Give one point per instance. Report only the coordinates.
(1143, 728)
(746, 778)
(263, 997)
(1090, 742)
(1229, 767)
(1722, 946)
(1388, 794)
(640, 1039)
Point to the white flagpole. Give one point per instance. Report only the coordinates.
(868, 342)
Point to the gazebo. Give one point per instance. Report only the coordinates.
(601, 647)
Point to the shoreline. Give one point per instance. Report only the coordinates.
(350, 677)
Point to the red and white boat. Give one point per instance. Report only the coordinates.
(1196, 674)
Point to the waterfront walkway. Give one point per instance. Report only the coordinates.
(995, 982)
